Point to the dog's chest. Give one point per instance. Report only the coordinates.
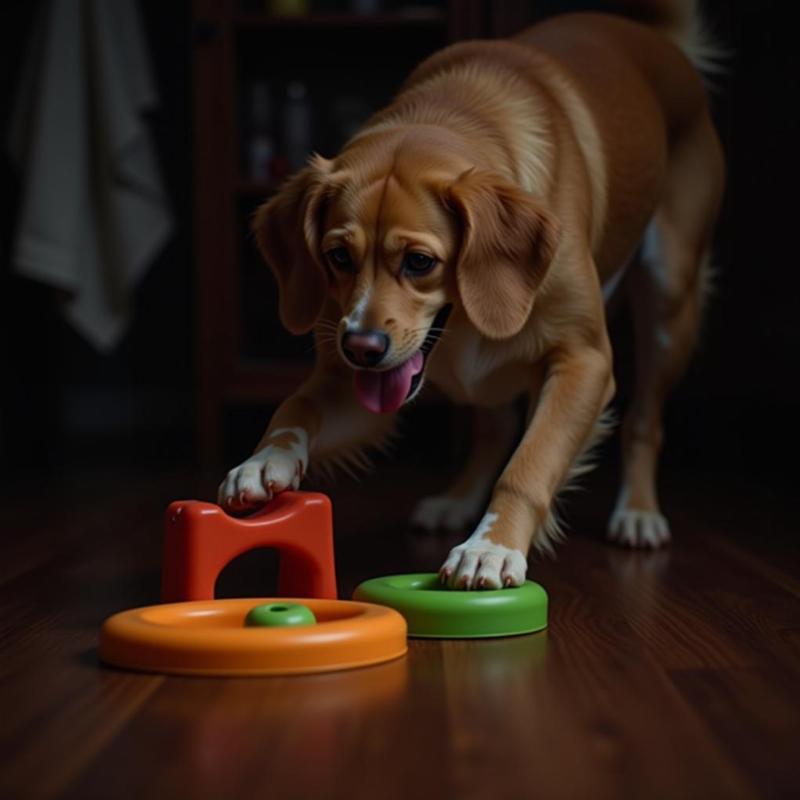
(470, 370)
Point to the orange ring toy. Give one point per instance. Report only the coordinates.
(209, 637)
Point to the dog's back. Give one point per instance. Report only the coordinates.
(628, 90)
(645, 97)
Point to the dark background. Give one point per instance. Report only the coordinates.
(63, 407)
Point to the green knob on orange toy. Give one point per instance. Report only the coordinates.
(279, 615)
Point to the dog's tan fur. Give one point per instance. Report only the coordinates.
(532, 169)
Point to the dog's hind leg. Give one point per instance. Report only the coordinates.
(667, 288)
(665, 340)
(494, 433)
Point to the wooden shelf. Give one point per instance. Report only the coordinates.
(231, 46)
(270, 381)
(414, 18)
(248, 187)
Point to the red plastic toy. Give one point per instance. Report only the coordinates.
(201, 539)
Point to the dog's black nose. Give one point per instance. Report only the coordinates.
(365, 348)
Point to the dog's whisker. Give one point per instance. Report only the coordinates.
(437, 331)
(330, 344)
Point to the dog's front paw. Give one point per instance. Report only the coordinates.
(257, 480)
(481, 564)
(444, 512)
(635, 528)
(275, 468)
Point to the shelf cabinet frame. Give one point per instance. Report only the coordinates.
(223, 377)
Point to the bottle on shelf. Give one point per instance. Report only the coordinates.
(297, 125)
(260, 145)
(365, 8)
(287, 8)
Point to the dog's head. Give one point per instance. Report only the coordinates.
(396, 234)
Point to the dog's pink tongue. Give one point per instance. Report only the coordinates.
(384, 392)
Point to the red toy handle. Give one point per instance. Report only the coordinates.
(200, 539)
(279, 505)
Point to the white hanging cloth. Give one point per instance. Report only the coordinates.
(94, 213)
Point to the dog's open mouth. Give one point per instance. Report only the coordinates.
(384, 391)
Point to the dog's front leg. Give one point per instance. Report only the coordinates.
(321, 420)
(578, 385)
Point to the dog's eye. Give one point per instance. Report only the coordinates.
(339, 258)
(418, 263)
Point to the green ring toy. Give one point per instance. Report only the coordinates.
(279, 615)
(433, 611)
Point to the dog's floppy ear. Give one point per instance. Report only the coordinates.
(287, 230)
(508, 241)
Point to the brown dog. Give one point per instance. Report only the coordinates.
(467, 235)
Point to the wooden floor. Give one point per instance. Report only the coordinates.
(673, 674)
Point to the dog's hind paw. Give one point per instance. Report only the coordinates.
(444, 513)
(634, 528)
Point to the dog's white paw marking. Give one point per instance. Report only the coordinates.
(632, 528)
(445, 513)
(480, 563)
(275, 468)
